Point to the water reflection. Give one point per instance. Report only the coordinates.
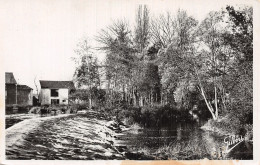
(179, 133)
(183, 141)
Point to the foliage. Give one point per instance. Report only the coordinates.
(242, 27)
(241, 42)
(86, 73)
(142, 33)
(176, 61)
(154, 116)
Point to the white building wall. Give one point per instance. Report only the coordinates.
(63, 96)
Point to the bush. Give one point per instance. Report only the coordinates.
(150, 116)
(243, 112)
(147, 116)
(128, 121)
(229, 125)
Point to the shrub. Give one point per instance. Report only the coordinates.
(227, 125)
(150, 116)
(128, 121)
(147, 116)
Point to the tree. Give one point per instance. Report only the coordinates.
(240, 40)
(116, 42)
(193, 57)
(149, 85)
(142, 29)
(148, 82)
(174, 57)
(162, 30)
(86, 74)
(210, 31)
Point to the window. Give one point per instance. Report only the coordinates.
(55, 101)
(54, 93)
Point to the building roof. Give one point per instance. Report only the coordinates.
(57, 84)
(24, 87)
(9, 78)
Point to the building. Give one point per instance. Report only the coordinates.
(24, 95)
(16, 93)
(55, 92)
(10, 89)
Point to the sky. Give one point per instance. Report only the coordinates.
(38, 37)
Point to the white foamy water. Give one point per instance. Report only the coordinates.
(61, 137)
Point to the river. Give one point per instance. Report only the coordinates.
(90, 137)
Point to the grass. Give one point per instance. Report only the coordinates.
(189, 150)
(180, 150)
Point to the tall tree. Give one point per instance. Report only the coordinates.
(86, 74)
(116, 42)
(240, 39)
(210, 31)
(172, 65)
(142, 33)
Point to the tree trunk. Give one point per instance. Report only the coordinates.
(124, 97)
(90, 97)
(90, 103)
(141, 101)
(224, 103)
(216, 103)
(134, 97)
(210, 108)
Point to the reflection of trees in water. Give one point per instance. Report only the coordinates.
(249, 146)
(179, 132)
(215, 147)
(188, 144)
(193, 143)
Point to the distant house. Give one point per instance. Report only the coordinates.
(24, 95)
(55, 92)
(16, 93)
(10, 89)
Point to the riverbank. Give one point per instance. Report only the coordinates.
(227, 127)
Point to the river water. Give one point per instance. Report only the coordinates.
(88, 137)
(183, 141)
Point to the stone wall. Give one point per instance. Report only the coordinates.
(10, 94)
(24, 97)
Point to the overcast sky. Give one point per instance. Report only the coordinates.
(38, 37)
